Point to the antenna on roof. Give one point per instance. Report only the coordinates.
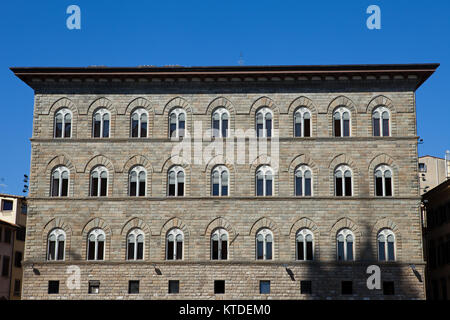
(241, 59)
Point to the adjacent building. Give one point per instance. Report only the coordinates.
(433, 171)
(13, 218)
(291, 182)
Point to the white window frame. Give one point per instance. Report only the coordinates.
(101, 112)
(176, 170)
(264, 169)
(343, 168)
(178, 111)
(383, 169)
(139, 111)
(304, 232)
(220, 169)
(60, 170)
(264, 232)
(380, 110)
(345, 232)
(302, 111)
(56, 232)
(96, 232)
(386, 232)
(135, 233)
(137, 169)
(303, 169)
(264, 111)
(341, 111)
(175, 232)
(63, 112)
(99, 170)
(219, 232)
(220, 111)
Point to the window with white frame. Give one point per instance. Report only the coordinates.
(220, 123)
(264, 122)
(386, 245)
(383, 181)
(137, 181)
(264, 181)
(63, 123)
(264, 244)
(96, 244)
(341, 122)
(101, 121)
(174, 244)
(56, 245)
(139, 123)
(219, 181)
(60, 182)
(219, 244)
(177, 123)
(381, 122)
(135, 244)
(345, 247)
(99, 182)
(176, 182)
(343, 181)
(303, 181)
(304, 245)
(302, 122)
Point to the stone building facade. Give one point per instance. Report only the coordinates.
(433, 171)
(197, 92)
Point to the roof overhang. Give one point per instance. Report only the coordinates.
(417, 73)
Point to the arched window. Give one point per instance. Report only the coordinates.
(304, 245)
(220, 123)
(139, 119)
(56, 245)
(264, 181)
(137, 181)
(383, 181)
(341, 122)
(99, 182)
(177, 123)
(345, 247)
(264, 244)
(219, 244)
(264, 122)
(176, 182)
(135, 245)
(60, 182)
(302, 122)
(386, 245)
(96, 244)
(174, 244)
(303, 181)
(219, 181)
(101, 121)
(381, 122)
(63, 123)
(343, 181)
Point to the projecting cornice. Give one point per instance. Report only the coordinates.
(414, 74)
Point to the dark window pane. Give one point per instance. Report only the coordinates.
(268, 250)
(64, 187)
(53, 287)
(268, 187)
(346, 128)
(298, 186)
(142, 188)
(388, 288)
(171, 189)
(350, 251)
(339, 187)
(307, 186)
(216, 128)
(340, 250)
(180, 189)
(306, 287)
(388, 186)
(259, 250)
(391, 256)
(103, 186)
(181, 127)
(58, 129)
(347, 287)
(100, 249)
(298, 129)
(55, 187)
(269, 127)
(224, 190)
(51, 250)
(385, 127)
(179, 250)
(140, 251)
(259, 129)
(143, 129)
(94, 187)
(348, 186)
(219, 286)
(264, 287)
(337, 128)
(381, 251)
(224, 248)
(215, 189)
(133, 189)
(105, 128)
(309, 250)
(307, 129)
(215, 250)
(5, 266)
(174, 286)
(96, 128)
(133, 287)
(300, 251)
(224, 128)
(376, 127)
(60, 250)
(130, 251)
(67, 129)
(259, 187)
(173, 128)
(91, 250)
(134, 128)
(379, 186)
(170, 249)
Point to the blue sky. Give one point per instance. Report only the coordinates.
(193, 33)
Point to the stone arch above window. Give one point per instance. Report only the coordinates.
(303, 223)
(380, 101)
(296, 162)
(343, 159)
(305, 103)
(265, 102)
(57, 223)
(96, 223)
(102, 103)
(347, 223)
(344, 102)
(167, 165)
(173, 104)
(217, 161)
(174, 223)
(383, 159)
(136, 223)
(62, 103)
(220, 222)
(99, 160)
(138, 160)
(61, 160)
(146, 105)
(261, 223)
(386, 223)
